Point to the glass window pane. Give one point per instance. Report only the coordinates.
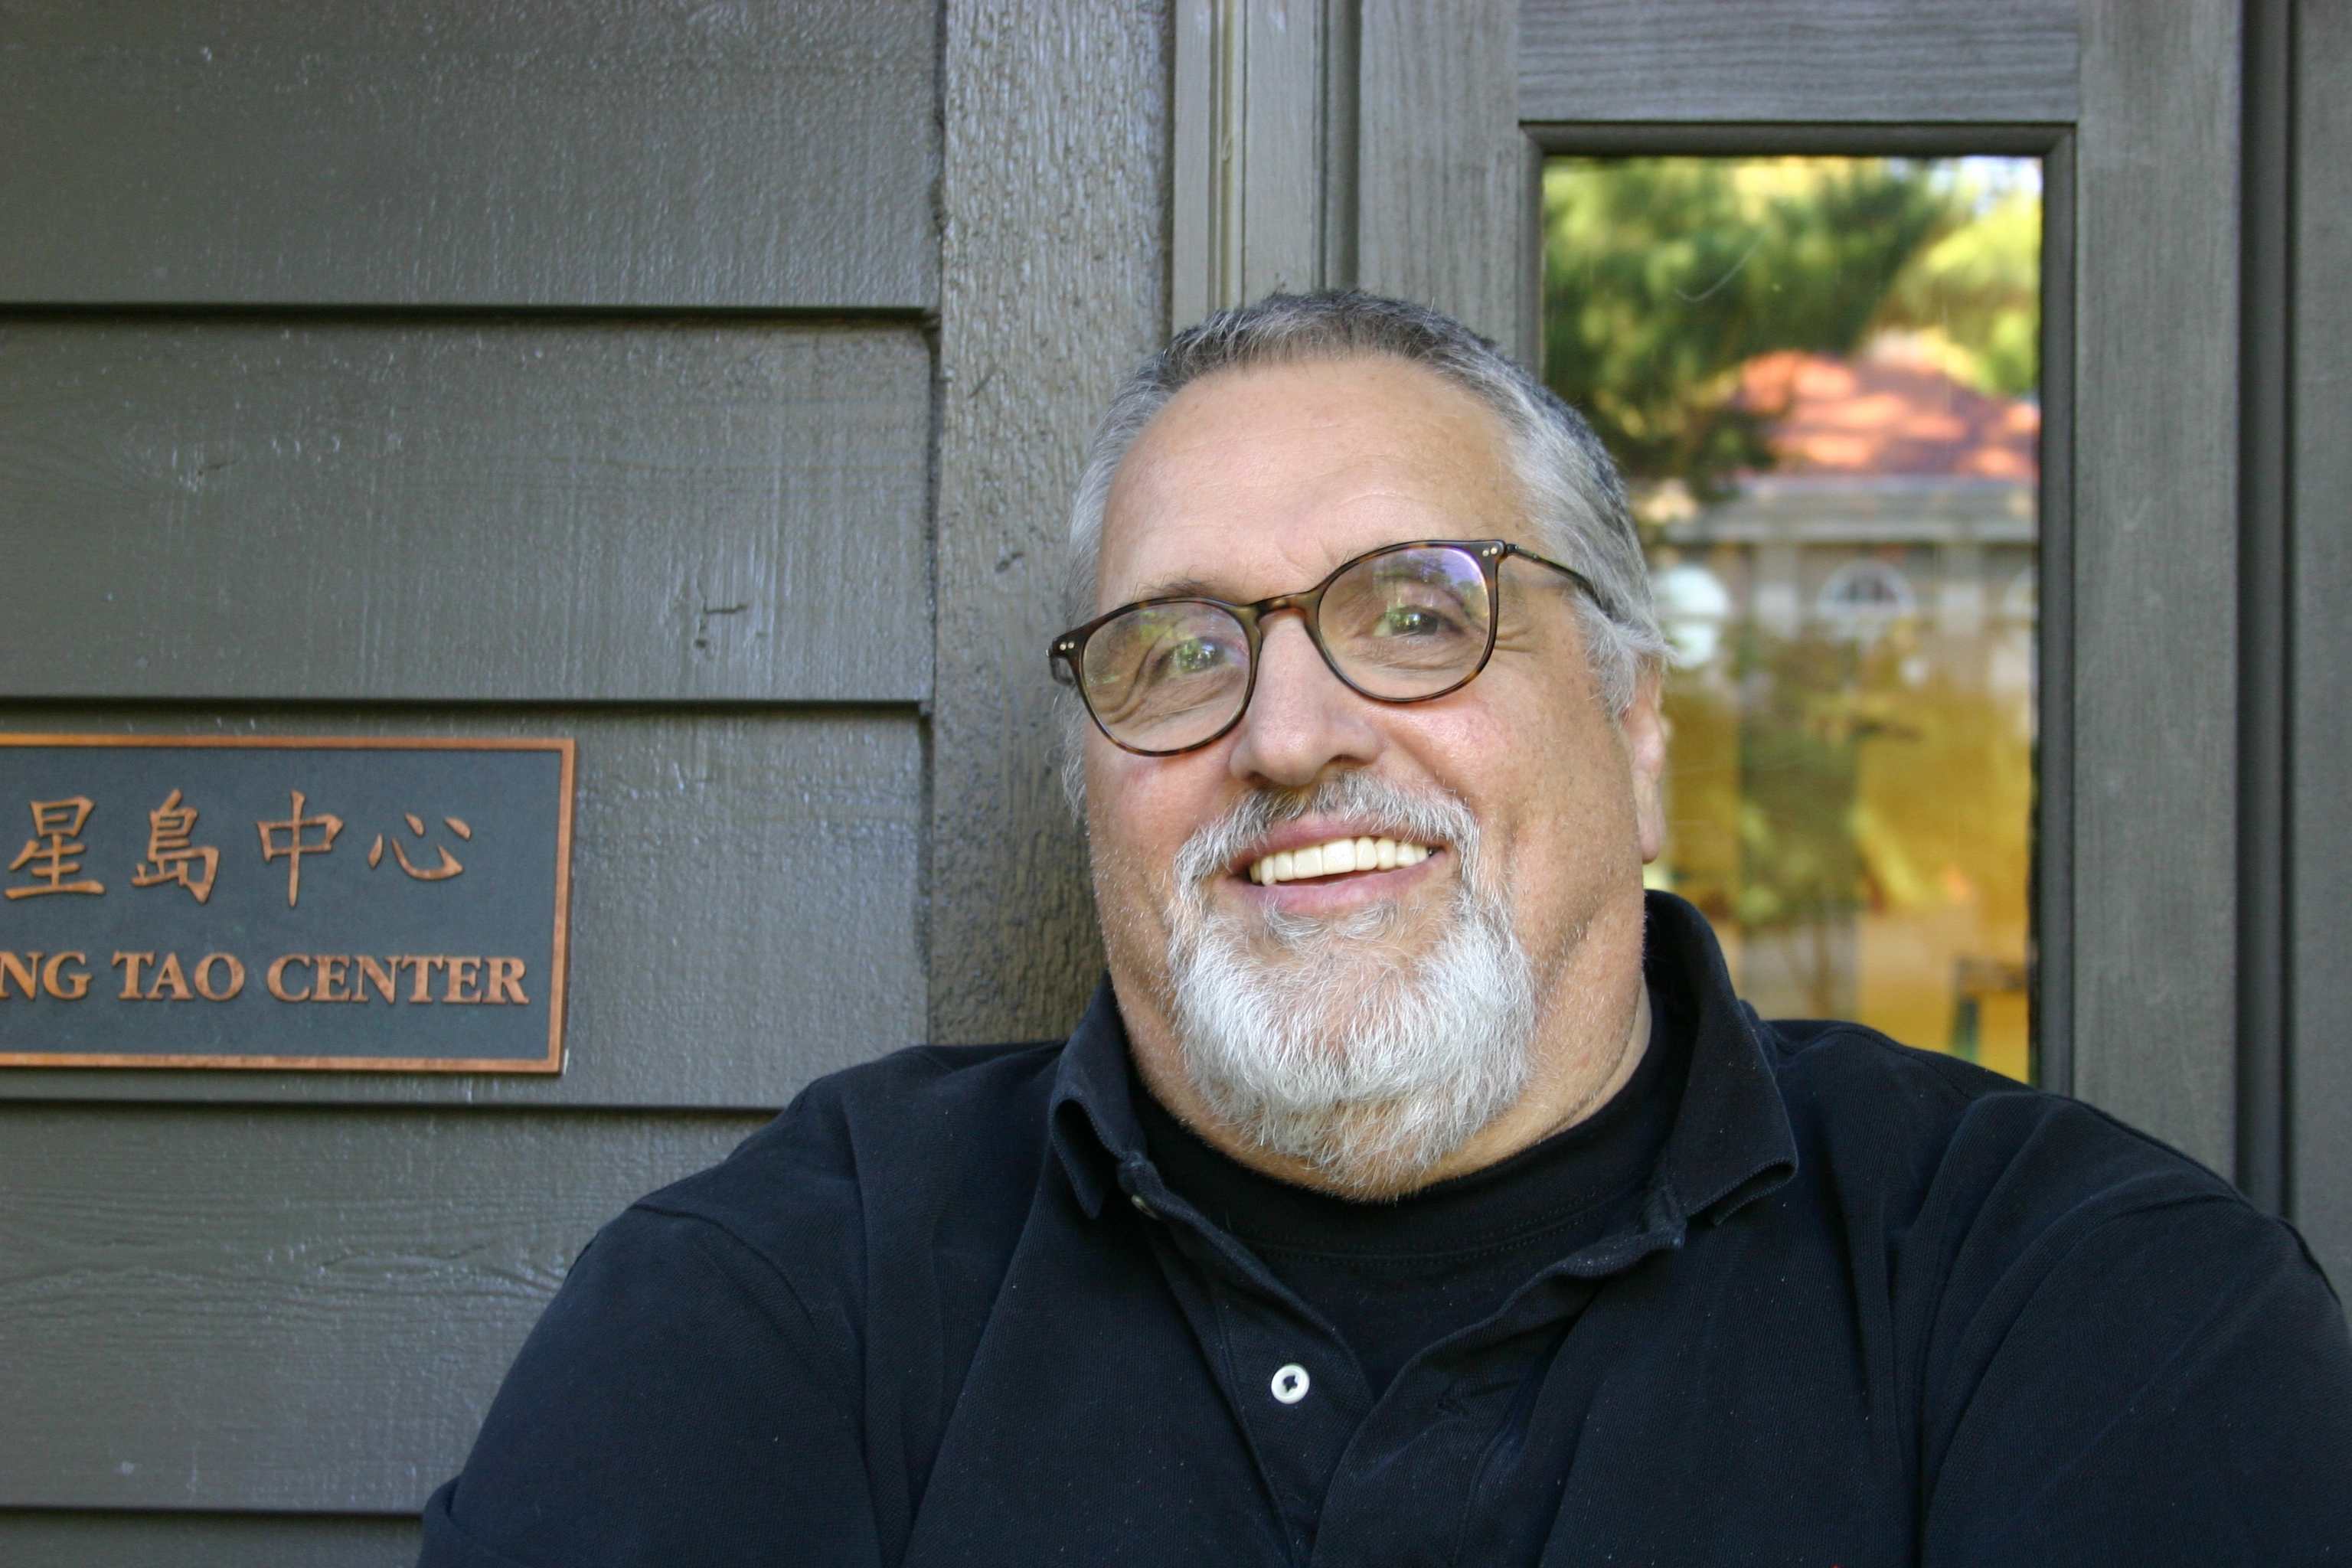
(1821, 376)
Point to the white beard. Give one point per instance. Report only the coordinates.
(1367, 1065)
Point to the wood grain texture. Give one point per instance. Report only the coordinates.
(2155, 549)
(2265, 439)
(446, 153)
(44, 1539)
(1056, 257)
(1201, 185)
(483, 510)
(2320, 719)
(745, 907)
(270, 1309)
(1824, 61)
(2050, 1049)
(1282, 194)
(1444, 197)
(1248, 144)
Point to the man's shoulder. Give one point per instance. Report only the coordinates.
(2063, 1295)
(917, 1131)
(703, 1372)
(1853, 1088)
(906, 1117)
(1944, 1147)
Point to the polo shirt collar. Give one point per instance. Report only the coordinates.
(1093, 1124)
(1731, 1142)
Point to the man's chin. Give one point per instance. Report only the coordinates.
(1366, 1058)
(1381, 935)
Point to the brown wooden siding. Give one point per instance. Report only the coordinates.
(446, 370)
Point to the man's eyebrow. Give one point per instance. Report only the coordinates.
(1174, 588)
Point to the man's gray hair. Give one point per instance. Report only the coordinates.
(1576, 502)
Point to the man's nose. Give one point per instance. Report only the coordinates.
(1301, 718)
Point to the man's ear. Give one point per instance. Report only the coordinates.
(1644, 729)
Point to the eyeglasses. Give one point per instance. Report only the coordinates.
(1405, 622)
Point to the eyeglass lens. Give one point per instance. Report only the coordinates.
(1405, 622)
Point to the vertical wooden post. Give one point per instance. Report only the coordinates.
(1053, 285)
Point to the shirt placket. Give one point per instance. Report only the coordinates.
(1294, 1386)
(1440, 1445)
(1352, 1481)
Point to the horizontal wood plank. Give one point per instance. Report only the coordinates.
(1820, 61)
(258, 1309)
(592, 510)
(745, 895)
(65, 1539)
(444, 153)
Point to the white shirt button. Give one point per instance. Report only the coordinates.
(1290, 1383)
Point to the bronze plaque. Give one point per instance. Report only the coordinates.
(342, 903)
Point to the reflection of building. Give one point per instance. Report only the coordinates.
(1898, 493)
(1855, 704)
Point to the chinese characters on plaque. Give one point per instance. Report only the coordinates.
(157, 875)
(171, 855)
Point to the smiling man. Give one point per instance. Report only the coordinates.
(1414, 1189)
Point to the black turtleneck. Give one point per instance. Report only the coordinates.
(1393, 1277)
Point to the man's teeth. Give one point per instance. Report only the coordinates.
(1331, 859)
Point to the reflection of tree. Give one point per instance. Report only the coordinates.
(1665, 276)
(1972, 299)
(1763, 798)
(1798, 869)
(1819, 782)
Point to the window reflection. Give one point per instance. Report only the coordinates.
(1820, 376)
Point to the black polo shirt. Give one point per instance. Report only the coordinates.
(1869, 1306)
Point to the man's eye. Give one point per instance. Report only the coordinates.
(1413, 621)
(1194, 655)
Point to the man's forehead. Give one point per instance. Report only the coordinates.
(1282, 472)
(1371, 397)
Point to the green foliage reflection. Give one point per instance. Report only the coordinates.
(1665, 276)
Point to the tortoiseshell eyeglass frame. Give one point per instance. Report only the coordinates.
(1064, 658)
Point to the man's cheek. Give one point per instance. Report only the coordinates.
(1134, 903)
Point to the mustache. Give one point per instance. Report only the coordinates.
(1387, 809)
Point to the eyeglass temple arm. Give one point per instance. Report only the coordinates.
(1571, 572)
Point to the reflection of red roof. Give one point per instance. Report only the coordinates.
(1886, 417)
